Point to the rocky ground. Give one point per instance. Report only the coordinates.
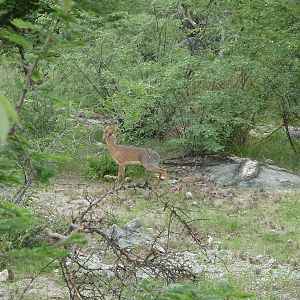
(232, 249)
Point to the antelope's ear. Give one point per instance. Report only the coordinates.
(106, 129)
(113, 133)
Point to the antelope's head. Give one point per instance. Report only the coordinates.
(108, 134)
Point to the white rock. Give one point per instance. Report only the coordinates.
(128, 179)
(188, 195)
(5, 275)
(259, 258)
(159, 249)
(249, 169)
(172, 181)
(110, 177)
(269, 161)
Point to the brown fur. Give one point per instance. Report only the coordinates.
(125, 155)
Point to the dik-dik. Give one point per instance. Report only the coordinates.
(127, 155)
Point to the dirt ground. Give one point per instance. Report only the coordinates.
(251, 235)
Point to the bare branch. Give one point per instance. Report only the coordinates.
(103, 96)
(32, 68)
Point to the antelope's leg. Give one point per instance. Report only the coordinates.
(121, 173)
(159, 179)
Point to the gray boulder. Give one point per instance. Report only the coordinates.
(245, 172)
(131, 234)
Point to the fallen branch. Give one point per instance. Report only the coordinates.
(53, 235)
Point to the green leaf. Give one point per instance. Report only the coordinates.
(39, 253)
(6, 110)
(46, 157)
(58, 158)
(13, 217)
(24, 24)
(67, 5)
(15, 38)
(75, 238)
(67, 45)
(9, 108)
(4, 123)
(36, 76)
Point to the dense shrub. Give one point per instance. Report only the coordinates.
(97, 168)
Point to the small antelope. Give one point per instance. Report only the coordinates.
(125, 155)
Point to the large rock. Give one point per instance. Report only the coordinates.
(243, 172)
(249, 173)
(131, 234)
(92, 263)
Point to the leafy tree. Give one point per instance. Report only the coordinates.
(201, 75)
(14, 9)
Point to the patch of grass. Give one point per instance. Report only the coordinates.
(113, 218)
(146, 209)
(219, 221)
(135, 171)
(271, 237)
(290, 210)
(276, 148)
(204, 289)
(269, 288)
(229, 224)
(270, 228)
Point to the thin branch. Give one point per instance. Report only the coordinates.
(72, 281)
(22, 55)
(32, 68)
(269, 135)
(35, 277)
(21, 192)
(90, 81)
(26, 87)
(65, 277)
(82, 215)
(157, 29)
(285, 118)
(86, 279)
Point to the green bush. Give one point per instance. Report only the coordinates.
(97, 168)
(22, 244)
(105, 165)
(135, 171)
